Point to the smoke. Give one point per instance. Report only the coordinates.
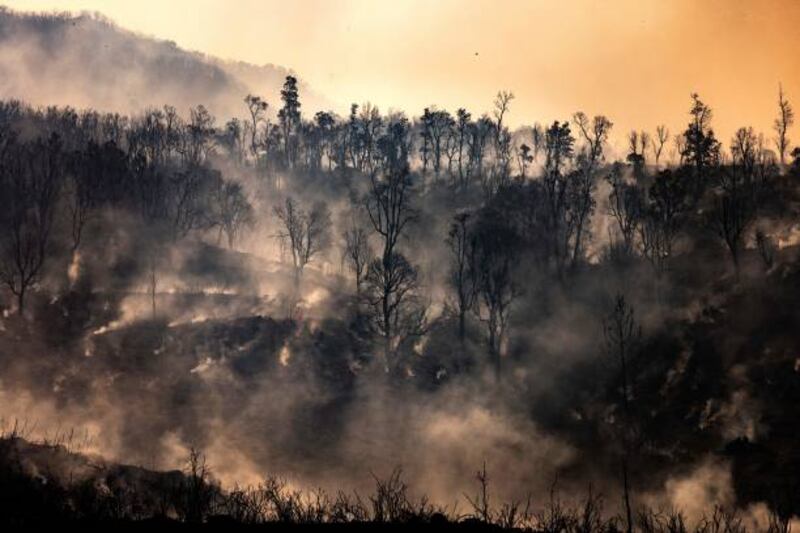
(298, 398)
(149, 347)
(696, 493)
(708, 486)
(87, 61)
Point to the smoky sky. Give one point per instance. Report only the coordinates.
(88, 61)
(634, 61)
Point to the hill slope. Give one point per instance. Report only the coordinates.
(87, 61)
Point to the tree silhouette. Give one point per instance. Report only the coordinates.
(463, 278)
(463, 125)
(782, 124)
(738, 193)
(391, 279)
(525, 158)
(289, 117)
(501, 171)
(496, 254)
(357, 254)
(626, 205)
(658, 142)
(663, 217)
(436, 126)
(30, 174)
(700, 146)
(558, 151)
(622, 336)
(305, 232)
(581, 187)
(232, 211)
(257, 109)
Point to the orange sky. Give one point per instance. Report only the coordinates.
(636, 61)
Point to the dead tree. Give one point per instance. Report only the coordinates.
(189, 203)
(196, 138)
(622, 336)
(391, 279)
(782, 124)
(305, 233)
(81, 196)
(558, 152)
(661, 138)
(437, 127)
(502, 144)
(257, 109)
(462, 129)
(392, 293)
(496, 254)
(625, 205)
(662, 218)
(582, 184)
(479, 132)
(462, 278)
(734, 211)
(737, 194)
(232, 211)
(30, 175)
(357, 254)
(637, 148)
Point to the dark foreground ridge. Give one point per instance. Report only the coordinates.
(47, 485)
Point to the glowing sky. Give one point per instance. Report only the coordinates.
(636, 61)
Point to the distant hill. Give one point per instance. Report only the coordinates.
(86, 60)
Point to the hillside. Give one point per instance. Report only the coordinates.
(86, 60)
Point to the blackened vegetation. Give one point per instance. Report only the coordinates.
(637, 310)
(36, 493)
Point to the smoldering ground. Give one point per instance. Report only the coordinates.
(221, 369)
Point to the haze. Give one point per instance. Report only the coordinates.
(570, 308)
(635, 62)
